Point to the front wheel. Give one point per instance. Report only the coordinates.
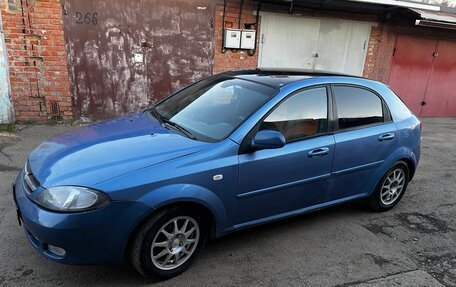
(168, 243)
(391, 188)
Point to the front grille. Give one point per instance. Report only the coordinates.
(29, 179)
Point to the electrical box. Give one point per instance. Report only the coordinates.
(232, 38)
(248, 39)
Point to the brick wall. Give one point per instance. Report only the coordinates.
(373, 46)
(37, 59)
(233, 59)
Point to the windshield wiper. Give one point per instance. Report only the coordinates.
(178, 127)
(164, 120)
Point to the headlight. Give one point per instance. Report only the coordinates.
(71, 198)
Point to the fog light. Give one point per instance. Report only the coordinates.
(56, 250)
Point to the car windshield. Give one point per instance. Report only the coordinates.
(212, 109)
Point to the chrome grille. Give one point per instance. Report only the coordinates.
(29, 179)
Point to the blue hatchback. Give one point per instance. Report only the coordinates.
(231, 151)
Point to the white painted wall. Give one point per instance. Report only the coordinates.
(6, 107)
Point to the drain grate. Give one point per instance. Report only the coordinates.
(55, 109)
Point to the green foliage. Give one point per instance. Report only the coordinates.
(9, 128)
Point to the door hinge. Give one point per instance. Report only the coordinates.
(423, 103)
(394, 52)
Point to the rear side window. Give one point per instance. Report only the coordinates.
(357, 107)
(302, 115)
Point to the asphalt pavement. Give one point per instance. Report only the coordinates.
(412, 245)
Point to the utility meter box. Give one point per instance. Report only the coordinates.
(248, 39)
(232, 38)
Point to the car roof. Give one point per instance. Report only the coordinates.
(279, 77)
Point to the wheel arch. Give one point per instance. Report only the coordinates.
(406, 155)
(410, 165)
(173, 197)
(402, 154)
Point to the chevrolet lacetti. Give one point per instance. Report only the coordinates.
(231, 151)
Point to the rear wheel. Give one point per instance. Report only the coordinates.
(168, 243)
(391, 188)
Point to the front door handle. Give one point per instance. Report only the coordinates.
(386, 137)
(318, 152)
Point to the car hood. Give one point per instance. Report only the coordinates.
(98, 152)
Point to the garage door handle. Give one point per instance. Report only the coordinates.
(386, 137)
(319, 152)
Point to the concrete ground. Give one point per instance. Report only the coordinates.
(412, 245)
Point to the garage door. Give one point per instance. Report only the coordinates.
(440, 97)
(125, 55)
(313, 43)
(423, 74)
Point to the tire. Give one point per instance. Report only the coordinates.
(390, 189)
(175, 246)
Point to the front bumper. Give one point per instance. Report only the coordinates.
(92, 237)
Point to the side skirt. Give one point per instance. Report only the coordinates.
(291, 213)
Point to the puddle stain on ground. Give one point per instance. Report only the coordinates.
(424, 223)
(8, 278)
(378, 260)
(4, 155)
(441, 267)
(414, 221)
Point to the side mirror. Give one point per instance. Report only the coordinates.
(266, 139)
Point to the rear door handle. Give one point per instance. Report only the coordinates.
(318, 152)
(386, 137)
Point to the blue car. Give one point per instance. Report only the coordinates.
(231, 151)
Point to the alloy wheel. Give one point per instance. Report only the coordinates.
(175, 242)
(393, 186)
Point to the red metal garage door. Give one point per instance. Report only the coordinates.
(124, 55)
(423, 74)
(440, 96)
(411, 68)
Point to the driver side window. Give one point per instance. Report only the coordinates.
(302, 115)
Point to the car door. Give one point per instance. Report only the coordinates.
(364, 139)
(276, 181)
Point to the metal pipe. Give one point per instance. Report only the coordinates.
(240, 14)
(223, 27)
(252, 52)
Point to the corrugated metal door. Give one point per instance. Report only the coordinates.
(410, 70)
(124, 55)
(6, 106)
(313, 43)
(440, 96)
